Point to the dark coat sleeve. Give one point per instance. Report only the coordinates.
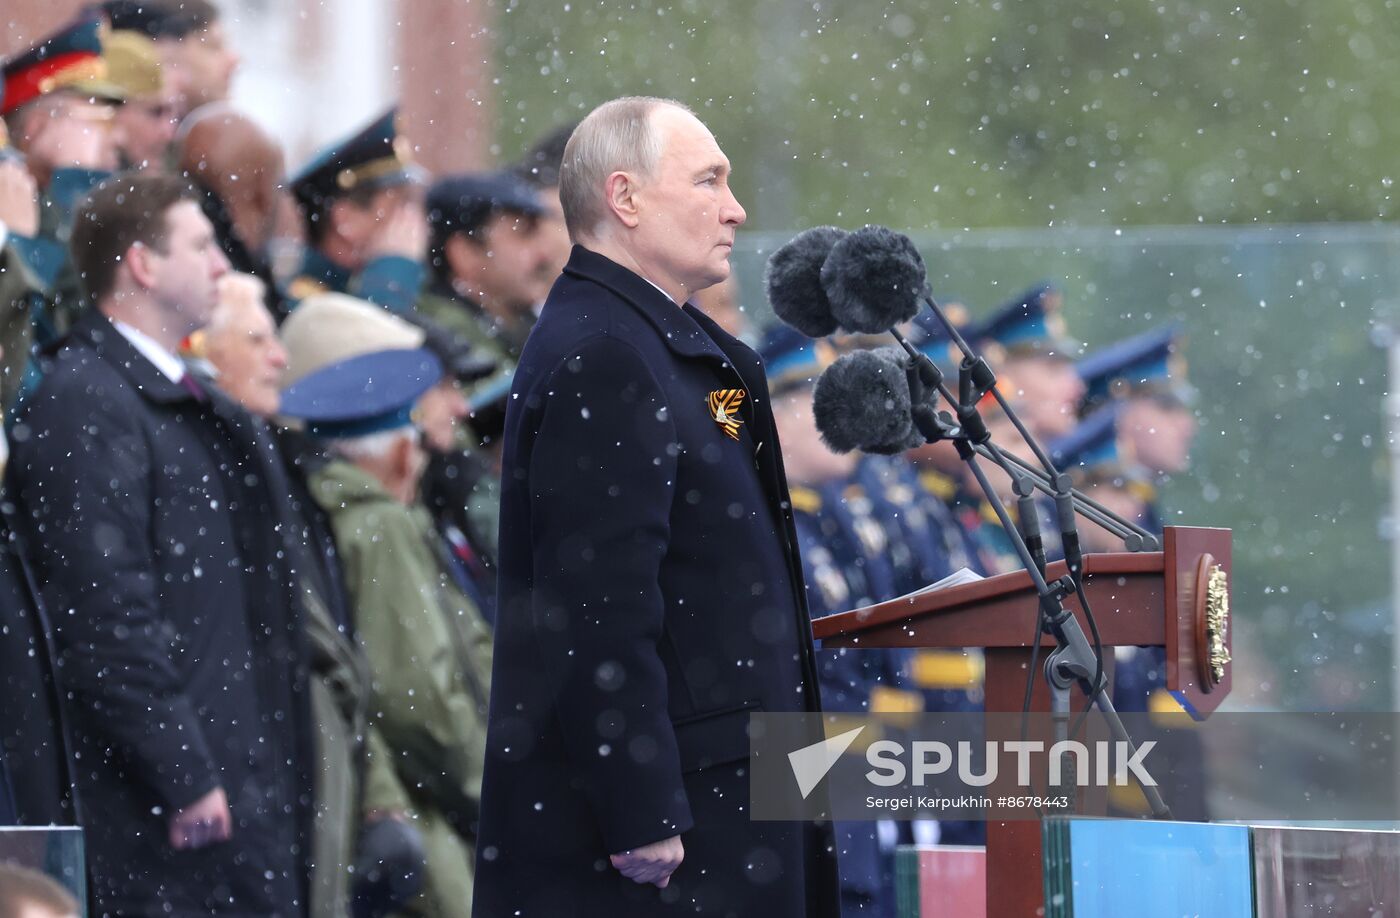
(82, 475)
(602, 473)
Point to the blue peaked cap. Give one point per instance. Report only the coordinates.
(791, 359)
(1092, 447)
(1141, 364)
(362, 395)
(1029, 325)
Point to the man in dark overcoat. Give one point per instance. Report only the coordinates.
(650, 589)
(153, 508)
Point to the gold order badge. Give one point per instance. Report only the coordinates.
(1218, 622)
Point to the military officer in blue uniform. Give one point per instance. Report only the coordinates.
(845, 551)
(1093, 457)
(1147, 375)
(361, 203)
(1029, 342)
(937, 471)
(1142, 382)
(1029, 346)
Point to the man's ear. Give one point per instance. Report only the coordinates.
(140, 263)
(621, 192)
(405, 458)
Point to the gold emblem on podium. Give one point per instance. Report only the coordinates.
(1217, 622)
(1212, 615)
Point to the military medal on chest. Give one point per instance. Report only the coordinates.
(724, 410)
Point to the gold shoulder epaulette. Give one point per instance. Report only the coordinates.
(804, 500)
(302, 287)
(938, 484)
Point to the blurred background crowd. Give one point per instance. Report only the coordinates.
(332, 609)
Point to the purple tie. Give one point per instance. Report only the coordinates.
(193, 387)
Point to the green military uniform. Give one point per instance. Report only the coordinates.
(499, 340)
(430, 653)
(354, 770)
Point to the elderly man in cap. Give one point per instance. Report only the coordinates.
(459, 486)
(59, 109)
(427, 644)
(651, 591)
(490, 269)
(363, 213)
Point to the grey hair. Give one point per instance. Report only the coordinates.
(371, 446)
(617, 136)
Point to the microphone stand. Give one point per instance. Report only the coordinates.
(1074, 660)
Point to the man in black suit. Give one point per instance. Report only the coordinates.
(154, 509)
(650, 591)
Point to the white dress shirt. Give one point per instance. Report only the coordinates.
(170, 365)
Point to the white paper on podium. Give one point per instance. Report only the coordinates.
(956, 578)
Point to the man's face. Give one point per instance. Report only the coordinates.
(1118, 500)
(1004, 434)
(516, 268)
(687, 214)
(186, 270)
(147, 128)
(64, 130)
(242, 344)
(806, 458)
(362, 223)
(1048, 393)
(439, 415)
(1159, 434)
(203, 64)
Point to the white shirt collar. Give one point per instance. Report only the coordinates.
(170, 365)
(658, 287)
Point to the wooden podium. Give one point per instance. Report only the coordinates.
(1177, 598)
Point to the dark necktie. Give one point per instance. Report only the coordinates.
(193, 387)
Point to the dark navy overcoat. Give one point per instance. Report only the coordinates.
(650, 600)
(157, 528)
